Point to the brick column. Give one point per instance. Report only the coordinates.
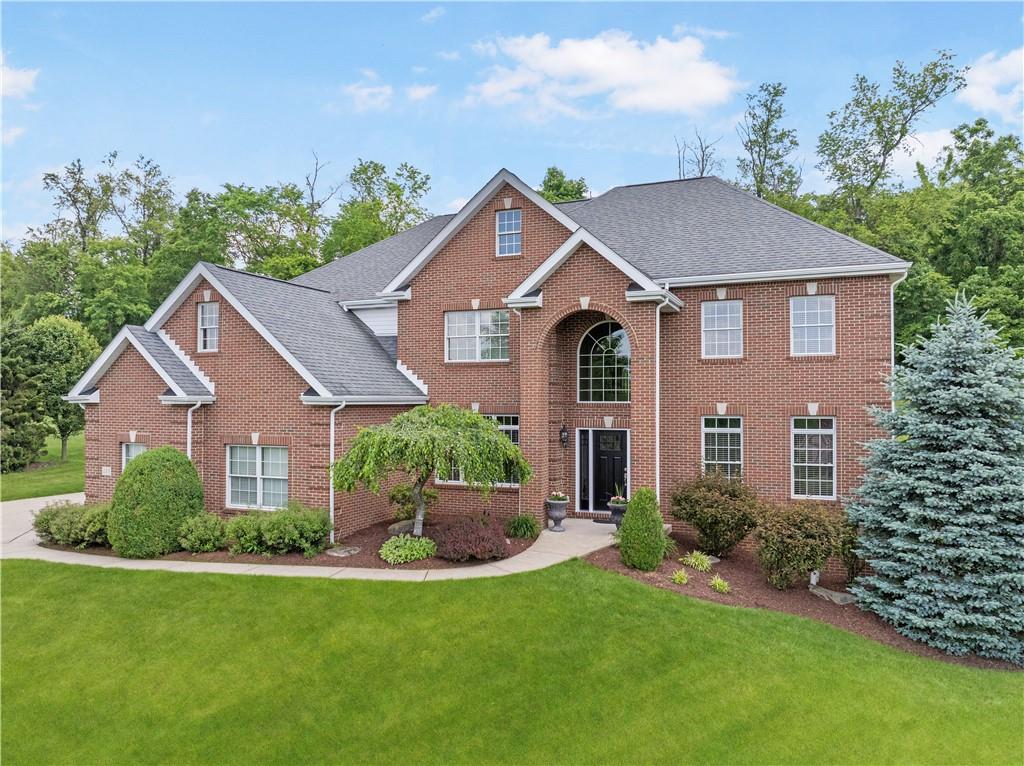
(534, 439)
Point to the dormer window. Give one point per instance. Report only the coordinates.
(510, 232)
(209, 326)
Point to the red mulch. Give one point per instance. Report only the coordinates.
(750, 589)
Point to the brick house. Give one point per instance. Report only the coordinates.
(631, 339)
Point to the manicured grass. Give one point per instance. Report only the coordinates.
(568, 665)
(56, 479)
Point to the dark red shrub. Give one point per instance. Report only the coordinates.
(467, 539)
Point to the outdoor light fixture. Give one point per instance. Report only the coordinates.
(563, 436)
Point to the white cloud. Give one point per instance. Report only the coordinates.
(420, 92)
(555, 78)
(419, 70)
(457, 204)
(12, 134)
(996, 85)
(925, 148)
(448, 55)
(485, 48)
(16, 83)
(698, 31)
(368, 94)
(432, 15)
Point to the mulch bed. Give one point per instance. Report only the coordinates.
(750, 589)
(367, 540)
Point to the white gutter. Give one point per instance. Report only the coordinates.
(330, 471)
(784, 274)
(363, 400)
(664, 297)
(892, 331)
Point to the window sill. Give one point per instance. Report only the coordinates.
(208, 351)
(813, 357)
(480, 363)
(722, 359)
(253, 508)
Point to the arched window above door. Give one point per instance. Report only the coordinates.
(603, 364)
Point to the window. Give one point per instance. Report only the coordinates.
(476, 336)
(257, 477)
(722, 328)
(723, 445)
(812, 325)
(510, 232)
(508, 425)
(604, 359)
(814, 458)
(209, 326)
(130, 450)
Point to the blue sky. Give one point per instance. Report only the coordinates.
(245, 92)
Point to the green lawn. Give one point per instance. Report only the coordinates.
(56, 479)
(568, 665)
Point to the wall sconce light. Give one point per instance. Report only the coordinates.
(563, 436)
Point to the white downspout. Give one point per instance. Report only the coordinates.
(892, 331)
(188, 429)
(330, 470)
(518, 313)
(657, 395)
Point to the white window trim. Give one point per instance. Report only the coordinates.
(792, 456)
(590, 467)
(259, 478)
(490, 416)
(705, 430)
(579, 379)
(124, 452)
(497, 235)
(200, 328)
(792, 328)
(477, 335)
(703, 330)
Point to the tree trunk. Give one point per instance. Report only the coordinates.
(421, 505)
(63, 449)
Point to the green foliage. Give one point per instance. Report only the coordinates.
(522, 526)
(679, 577)
(402, 498)
(405, 548)
(847, 550)
(718, 584)
(63, 349)
(766, 170)
(795, 539)
(203, 533)
(275, 533)
(426, 441)
(721, 509)
(75, 524)
(467, 539)
(941, 506)
(114, 289)
(154, 495)
(642, 539)
(198, 233)
(557, 188)
(697, 561)
(22, 400)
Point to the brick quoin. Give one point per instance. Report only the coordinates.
(258, 392)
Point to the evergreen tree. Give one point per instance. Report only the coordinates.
(23, 425)
(941, 508)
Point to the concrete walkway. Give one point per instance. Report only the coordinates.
(19, 541)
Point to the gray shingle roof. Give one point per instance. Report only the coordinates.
(169, 361)
(336, 348)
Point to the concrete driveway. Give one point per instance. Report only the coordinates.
(16, 515)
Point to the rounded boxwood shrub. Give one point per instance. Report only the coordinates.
(204, 533)
(275, 533)
(642, 539)
(158, 490)
(75, 524)
(722, 510)
(796, 539)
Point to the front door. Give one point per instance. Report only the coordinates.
(603, 465)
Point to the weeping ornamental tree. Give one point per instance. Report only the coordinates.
(941, 509)
(427, 441)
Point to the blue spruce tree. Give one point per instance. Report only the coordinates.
(941, 508)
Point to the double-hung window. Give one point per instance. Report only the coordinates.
(722, 328)
(723, 445)
(130, 450)
(814, 458)
(508, 425)
(476, 336)
(257, 476)
(209, 326)
(812, 323)
(509, 225)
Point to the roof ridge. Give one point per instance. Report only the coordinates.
(667, 181)
(264, 276)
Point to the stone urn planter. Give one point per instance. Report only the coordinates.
(556, 511)
(617, 508)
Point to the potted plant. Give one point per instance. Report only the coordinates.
(617, 506)
(557, 502)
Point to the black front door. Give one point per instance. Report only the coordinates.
(602, 469)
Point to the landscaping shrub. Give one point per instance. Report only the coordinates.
(75, 524)
(794, 540)
(405, 548)
(679, 577)
(848, 542)
(274, 533)
(697, 560)
(467, 539)
(722, 510)
(158, 490)
(718, 584)
(204, 533)
(642, 539)
(405, 504)
(521, 526)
